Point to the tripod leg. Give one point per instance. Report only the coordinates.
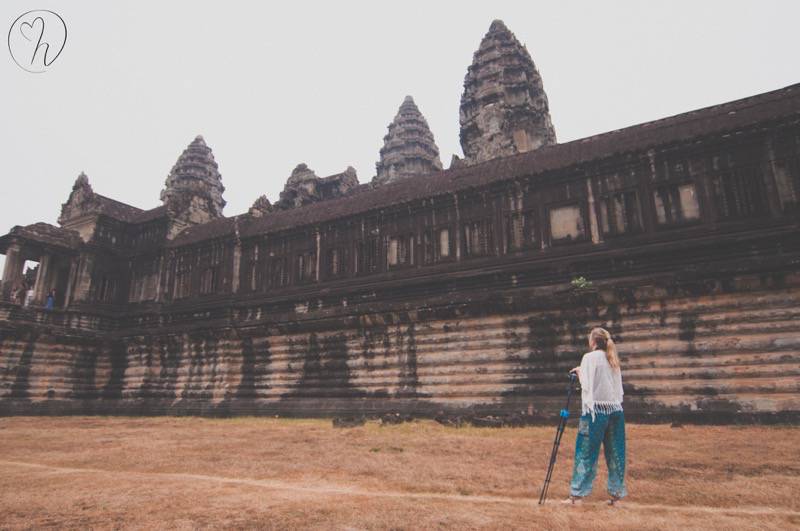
(562, 423)
(553, 457)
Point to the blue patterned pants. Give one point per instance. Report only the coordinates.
(608, 430)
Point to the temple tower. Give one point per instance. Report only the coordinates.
(504, 108)
(261, 206)
(81, 196)
(304, 187)
(408, 147)
(193, 190)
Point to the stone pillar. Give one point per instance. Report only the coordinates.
(73, 273)
(773, 195)
(237, 258)
(42, 285)
(594, 229)
(12, 272)
(457, 233)
(317, 265)
(161, 264)
(237, 264)
(83, 278)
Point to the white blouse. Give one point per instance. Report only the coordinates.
(601, 385)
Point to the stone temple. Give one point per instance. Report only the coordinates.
(430, 291)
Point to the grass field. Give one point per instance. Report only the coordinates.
(96, 472)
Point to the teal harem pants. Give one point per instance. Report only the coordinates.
(608, 429)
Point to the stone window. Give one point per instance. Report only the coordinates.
(105, 289)
(738, 193)
(400, 251)
(436, 245)
(676, 203)
(337, 261)
(301, 267)
(444, 243)
(277, 272)
(182, 277)
(393, 251)
(477, 236)
(143, 282)
(253, 269)
(520, 230)
(405, 254)
(334, 262)
(567, 224)
(306, 266)
(428, 247)
(207, 281)
(787, 180)
(620, 213)
(366, 260)
(137, 283)
(106, 234)
(210, 269)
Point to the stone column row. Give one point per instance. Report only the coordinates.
(13, 273)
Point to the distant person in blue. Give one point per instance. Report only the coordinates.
(602, 420)
(51, 300)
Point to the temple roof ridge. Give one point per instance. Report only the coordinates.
(684, 127)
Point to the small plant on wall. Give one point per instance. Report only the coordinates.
(582, 292)
(580, 283)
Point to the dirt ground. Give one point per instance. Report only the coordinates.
(99, 472)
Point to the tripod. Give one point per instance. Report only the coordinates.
(562, 423)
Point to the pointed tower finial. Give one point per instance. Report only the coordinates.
(504, 108)
(498, 25)
(408, 148)
(82, 181)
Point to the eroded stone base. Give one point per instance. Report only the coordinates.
(700, 350)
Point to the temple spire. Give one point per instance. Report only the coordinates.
(195, 178)
(408, 148)
(504, 108)
(193, 190)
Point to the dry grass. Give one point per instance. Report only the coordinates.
(267, 473)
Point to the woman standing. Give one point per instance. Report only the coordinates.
(602, 419)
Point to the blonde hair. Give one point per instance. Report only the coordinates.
(601, 339)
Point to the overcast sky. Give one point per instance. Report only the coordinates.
(270, 85)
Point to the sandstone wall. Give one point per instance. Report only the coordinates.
(699, 349)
